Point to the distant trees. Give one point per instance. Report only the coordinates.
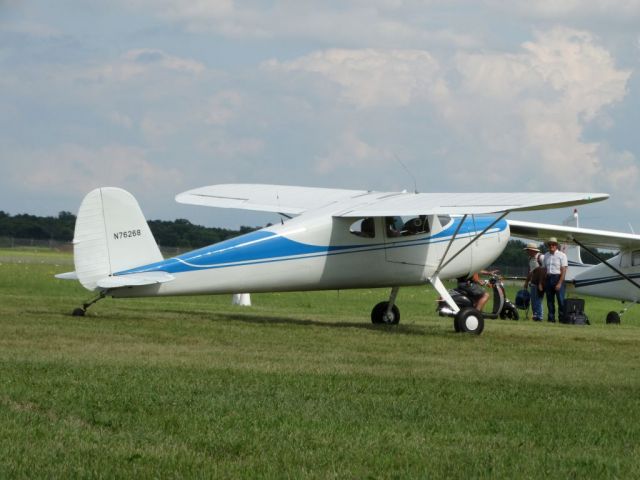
(178, 233)
(40, 228)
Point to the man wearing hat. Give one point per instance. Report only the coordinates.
(534, 279)
(555, 264)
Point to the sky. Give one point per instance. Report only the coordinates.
(159, 97)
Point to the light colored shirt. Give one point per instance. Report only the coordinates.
(554, 262)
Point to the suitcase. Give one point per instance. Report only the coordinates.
(574, 312)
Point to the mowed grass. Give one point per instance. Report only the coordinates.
(301, 385)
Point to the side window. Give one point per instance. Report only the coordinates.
(363, 227)
(444, 220)
(635, 258)
(406, 226)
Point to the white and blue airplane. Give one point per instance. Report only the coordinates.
(617, 278)
(332, 239)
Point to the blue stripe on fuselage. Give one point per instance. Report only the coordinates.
(263, 246)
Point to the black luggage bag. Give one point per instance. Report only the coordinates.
(574, 312)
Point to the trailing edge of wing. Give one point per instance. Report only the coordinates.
(266, 198)
(135, 279)
(467, 203)
(595, 238)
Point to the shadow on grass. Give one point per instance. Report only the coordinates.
(419, 330)
(257, 319)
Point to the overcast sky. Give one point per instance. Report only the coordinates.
(158, 97)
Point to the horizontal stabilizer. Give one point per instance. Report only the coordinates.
(135, 280)
(67, 276)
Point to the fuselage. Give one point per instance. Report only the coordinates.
(601, 281)
(322, 251)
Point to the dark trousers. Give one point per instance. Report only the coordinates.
(550, 289)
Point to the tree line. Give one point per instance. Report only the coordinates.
(179, 233)
(182, 233)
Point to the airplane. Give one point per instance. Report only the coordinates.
(332, 239)
(616, 278)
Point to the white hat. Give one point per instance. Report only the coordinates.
(532, 246)
(552, 240)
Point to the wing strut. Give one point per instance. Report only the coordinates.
(450, 243)
(444, 264)
(603, 260)
(435, 279)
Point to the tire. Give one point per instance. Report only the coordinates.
(613, 317)
(378, 314)
(470, 320)
(510, 313)
(78, 312)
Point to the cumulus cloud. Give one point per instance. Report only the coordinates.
(621, 9)
(76, 168)
(350, 152)
(371, 77)
(513, 112)
(141, 62)
(545, 96)
(356, 22)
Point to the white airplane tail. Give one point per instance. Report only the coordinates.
(111, 235)
(572, 251)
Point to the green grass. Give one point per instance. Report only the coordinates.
(301, 385)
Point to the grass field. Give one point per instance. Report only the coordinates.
(303, 386)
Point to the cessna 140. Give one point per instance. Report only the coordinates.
(332, 239)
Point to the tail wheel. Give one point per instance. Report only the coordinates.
(379, 314)
(469, 320)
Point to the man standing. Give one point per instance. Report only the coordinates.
(555, 264)
(533, 280)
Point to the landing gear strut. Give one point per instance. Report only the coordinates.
(79, 312)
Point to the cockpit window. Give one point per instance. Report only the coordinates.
(363, 227)
(444, 220)
(406, 226)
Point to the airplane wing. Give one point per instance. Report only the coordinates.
(595, 238)
(362, 203)
(266, 198)
(467, 203)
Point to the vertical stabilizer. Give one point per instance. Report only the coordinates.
(572, 251)
(111, 235)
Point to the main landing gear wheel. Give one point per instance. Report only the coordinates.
(379, 314)
(613, 317)
(469, 320)
(78, 312)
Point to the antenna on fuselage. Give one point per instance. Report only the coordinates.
(415, 185)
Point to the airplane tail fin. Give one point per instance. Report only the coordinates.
(111, 235)
(572, 251)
